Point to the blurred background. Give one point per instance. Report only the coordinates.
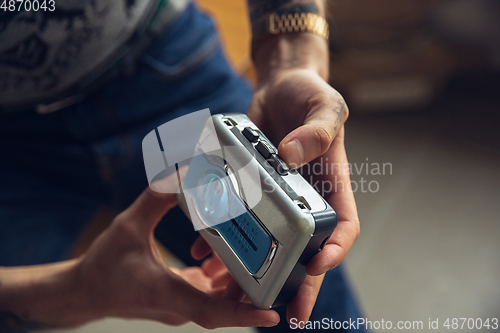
(422, 80)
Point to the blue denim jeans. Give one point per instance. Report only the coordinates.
(56, 170)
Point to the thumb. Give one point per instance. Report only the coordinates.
(314, 137)
(149, 208)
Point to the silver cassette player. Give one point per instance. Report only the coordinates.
(264, 220)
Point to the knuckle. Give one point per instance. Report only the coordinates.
(319, 98)
(323, 138)
(238, 310)
(346, 110)
(339, 100)
(206, 323)
(124, 227)
(122, 223)
(357, 229)
(334, 255)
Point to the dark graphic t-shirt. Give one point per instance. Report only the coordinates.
(44, 52)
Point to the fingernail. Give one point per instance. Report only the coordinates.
(326, 269)
(294, 153)
(323, 270)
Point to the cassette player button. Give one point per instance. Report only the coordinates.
(278, 165)
(265, 149)
(250, 134)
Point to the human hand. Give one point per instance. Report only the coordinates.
(123, 275)
(295, 107)
(335, 187)
(340, 242)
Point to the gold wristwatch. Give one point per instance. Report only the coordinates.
(298, 22)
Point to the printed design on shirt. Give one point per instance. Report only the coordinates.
(42, 53)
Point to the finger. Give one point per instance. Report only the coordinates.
(211, 313)
(342, 200)
(222, 280)
(342, 196)
(169, 184)
(148, 209)
(200, 249)
(330, 257)
(167, 318)
(217, 293)
(234, 292)
(336, 249)
(325, 117)
(300, 307)
(195, 277)
(213, 266)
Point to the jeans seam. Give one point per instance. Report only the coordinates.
(201, 55)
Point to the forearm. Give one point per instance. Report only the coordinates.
(37, 297)
(273, 53)
(291, 51)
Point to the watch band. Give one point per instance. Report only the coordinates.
(298, 22)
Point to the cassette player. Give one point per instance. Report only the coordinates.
(264, 220)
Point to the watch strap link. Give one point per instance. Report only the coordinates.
(298, 22)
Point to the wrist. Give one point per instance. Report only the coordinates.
(69, 308)
(43, 296)
(276, 53)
